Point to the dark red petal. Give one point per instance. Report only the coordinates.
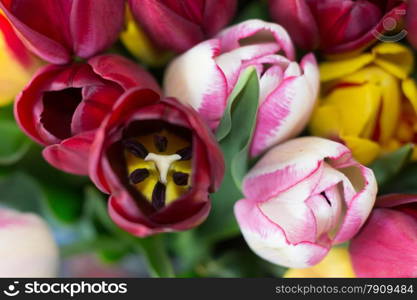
(393, 200)
(95, 25)
(296, 17)
(412, 22)
(72, 154)
(217, 14)
(26, 108)
(45, 27)
(123, 71)
(370, 36)
(97, 103)
(166, 28)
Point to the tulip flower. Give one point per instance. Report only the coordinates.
(179, 25)
(17, 65)
(27, 246)
(303, 197)
(288, 90)
(386, 245)
(158, 161)
(411, 22)
(58, 30)
(63, 105)
(335, 265)
(369, 102)
(339, 26)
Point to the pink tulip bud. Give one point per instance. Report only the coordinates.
(27, 247)
(303, 197)
(338, 26)
(57, 30)
(206, 75)
(180, 24)
(386, 245)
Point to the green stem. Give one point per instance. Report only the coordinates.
(154, 250)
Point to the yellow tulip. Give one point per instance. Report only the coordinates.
(369, 102)
(335, 265)
(139, 45)
(17, 65)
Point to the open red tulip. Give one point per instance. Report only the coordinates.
(63, 105)
(158, 161)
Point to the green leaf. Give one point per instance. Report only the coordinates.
(63, 203)
(14, 143)
(386, 167)
(253, 10)
(236, 131)
(21, 192)
(403, 183)
(225, 125)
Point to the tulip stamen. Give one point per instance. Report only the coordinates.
(158, 195)
(161, 143)
(159, 165)
(180, 178)
(138, 175)
(185, 153)
(136, 148)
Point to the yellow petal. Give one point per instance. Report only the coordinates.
(389, 87)
(138, 43)
(13, 76)
(336, 264)
(394, 58)
(357, 108)
(332, 70)
(363, 150)
(325, 122)
(409, 88)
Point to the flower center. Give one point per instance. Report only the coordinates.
(159, 166)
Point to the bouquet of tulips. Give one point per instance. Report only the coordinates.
(208, 138)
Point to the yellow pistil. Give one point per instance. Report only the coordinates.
(161, 165)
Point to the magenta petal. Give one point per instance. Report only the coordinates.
(72, 154)
(97, 103)
(123, 71)
(95, 25)
(386, 246)
(393, 200)
(412, 22)
(296, 17)
(167, 29)
(45, 31)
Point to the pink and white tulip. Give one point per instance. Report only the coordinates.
(303, 197)
(386, 245)
(27, 248)
(205, 76)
